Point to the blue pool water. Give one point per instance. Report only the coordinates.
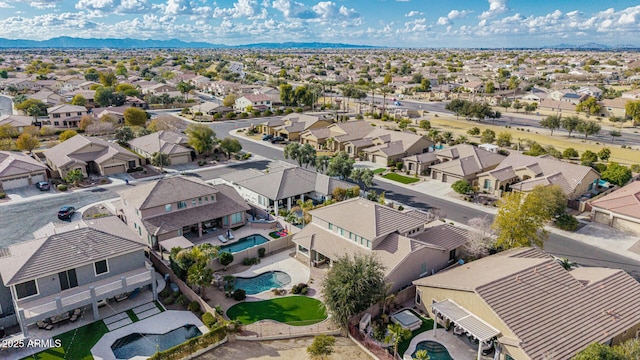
(263, 282)
(436, 350)
(244, 243)
(137, 344)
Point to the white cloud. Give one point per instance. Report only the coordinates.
(457, 14)
(293, 9)
(496, 7)
(329, 12)
(443, 21)
(414, 13)
(242, 8)
(4, 5)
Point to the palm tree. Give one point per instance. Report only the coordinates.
(385, 90)
(200, 275)
(422, 355)
(567, 264)
(306, 206)
(322, 162)
(396, 334)
(461, 139)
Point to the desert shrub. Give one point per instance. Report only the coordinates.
(209, 319)
(170, 300)
(461, 187)
(62, 187)
(304, 291)
(194, 306)
(299, 288)
(251, 261)
(164, 293)
(261, 252)
(567, 222)
(181, 300)
(239, 295)
(219, 309)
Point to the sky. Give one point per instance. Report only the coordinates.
(390, 23)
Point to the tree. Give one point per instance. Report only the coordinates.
(67, 134)
(307, 155)
(185, 88)
(513, 84)
(293, 151)
(103, 96)
(74, 176)
(91, 75)
(552, 122)
(225, 259)
(85, 121)
(488, 136)
(341, 165)
(123, 135)
(520, 221)
(604, 154)
(503, 139)
(27, 142)
(424, 125)
(489, 87)
(570, 123)
(200, 275)
(27, 106)
(397, 334)
(364, 176)
(516, 105)
(588, 128)
(8, 131)
(588, 158)
(569, 153)
(322, 163)
(505, 103)
(78, 100)
(229, 100)
(552, 199)
(462, 187)
(480, 238)
(161, 160)
(632, 109)
(589, 106)
(165, 122)
(617, 174)
(352, 285)
(597, 351)
(230, 146)
(200, 137)
(108, 78)
(614, 134)
(474, 131)
(286, 94)
(322, 346)
(135, 117)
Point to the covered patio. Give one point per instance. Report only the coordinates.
(464, 322)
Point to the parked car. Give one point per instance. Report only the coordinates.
(277, 139)
(267, 137)
(397, 103)
(43, 185)
(66, 212)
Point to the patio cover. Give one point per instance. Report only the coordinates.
(178, 241)
(466, 320)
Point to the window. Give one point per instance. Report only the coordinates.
(67, 114)
(200, 200)
(330, 226)
(341, 231)
(68, 279)
(423, 269)
(225, 220)
(56, 123)
(137, 212)
(236, 218)
(79, 113)
(182, 204)
(213, 198)
(101, 267)
(26, 289)
(487, 184)
(56, 116)
(167, 207)
(452, 255)
(369, 244)
(193, 202)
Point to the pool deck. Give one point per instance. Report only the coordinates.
(457, 348)
(212, 236)
(281, 261)
(158, 324)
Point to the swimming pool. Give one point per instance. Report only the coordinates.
(263, 282)
(436, 350)
(244, 243)
(138, 344)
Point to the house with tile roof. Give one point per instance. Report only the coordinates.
(281, 188)
(19, 170)
(179, 206)
(256, 101)
(518, 172)
(407, 244)
(167, 142)
(530, 306)
(91, 155)
(18, 122)
(292, 125)
(66, 115)
(619, 209)
(335, 136)
(74, 266)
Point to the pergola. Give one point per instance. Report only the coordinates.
(464, 319)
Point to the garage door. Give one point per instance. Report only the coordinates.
(113, 169)
(626, 225)
(36, 178)
(15, 183)
(380, 160)
(179, 159)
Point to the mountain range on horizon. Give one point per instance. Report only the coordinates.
(128, 43)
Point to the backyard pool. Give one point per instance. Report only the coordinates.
(138, 344)
(244, 243)
(436, 350)
(263, 282)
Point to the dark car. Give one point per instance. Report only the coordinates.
(66, 212)
(277, 139)
(267, 137)
(43, 185)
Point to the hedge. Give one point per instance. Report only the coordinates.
(192, 345)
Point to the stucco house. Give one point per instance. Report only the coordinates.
(404, 242)
(335, 136)
(73, 267)
(179, 206)
(383, 146)
(91, 155)
(164, 141)
(619, 209)
(18, 122)
(292, 125)
(530, 306)
(256, 101)
(518, 172)
(66, 115)
(19, 170)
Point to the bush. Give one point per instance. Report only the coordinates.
(461, 187)
(635, 168)
(219, 309)
(261, 252)
(567, 222)
(3, 195)
(170, 300)
(239, 295)
(225, 258)
(209, 319)
(399, 165)
(194, 307)
(299, 288)
(181, 299)
(164, 293)
(251, 261)
(62, 187)
(304, 291)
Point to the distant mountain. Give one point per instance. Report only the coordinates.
(71, 42)
(592, 46)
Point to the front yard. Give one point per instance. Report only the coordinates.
(401, 178)
(291, 310)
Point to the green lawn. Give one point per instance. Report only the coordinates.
(76, 344)
(400, 178)
(427, 324)
(292, 310)
(379, 171)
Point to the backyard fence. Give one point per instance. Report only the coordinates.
(363, 341)
(271, 330)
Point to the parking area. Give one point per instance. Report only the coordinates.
(29, 191)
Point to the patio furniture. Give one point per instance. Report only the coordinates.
(75, 315)
(134, 293)
(59, 318)
(229, 235)
(44, 325)
(222, 239)
(121, 297)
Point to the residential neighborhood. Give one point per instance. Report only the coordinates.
(395, 204)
